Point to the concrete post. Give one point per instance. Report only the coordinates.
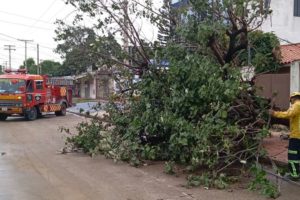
(295, 77)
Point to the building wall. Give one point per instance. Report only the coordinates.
(275, 86)
(87, 88)
(295, 77)
(282, 21)
(105, 86)
(82, 89)
(93, 88)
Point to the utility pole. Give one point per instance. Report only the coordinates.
(25, 41)
(125, 36)
(4, 65)
(9, 48)
(38, 59)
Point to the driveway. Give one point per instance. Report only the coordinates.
(31, 168)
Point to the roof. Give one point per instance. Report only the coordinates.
(290, 53)
(92, 74)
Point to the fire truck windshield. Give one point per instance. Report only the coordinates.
(12, 86)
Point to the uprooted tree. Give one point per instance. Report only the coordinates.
(191, 105)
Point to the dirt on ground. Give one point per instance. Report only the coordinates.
(32, 168)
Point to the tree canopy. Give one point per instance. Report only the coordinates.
(48, 67)
(1, 69)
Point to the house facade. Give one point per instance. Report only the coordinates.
(284, 20)
(278, 86)
(94, 85)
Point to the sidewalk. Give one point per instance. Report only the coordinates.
(277, 147)
(91, 108)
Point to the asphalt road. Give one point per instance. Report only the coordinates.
(31, 168)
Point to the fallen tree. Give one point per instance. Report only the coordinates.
(196, 110)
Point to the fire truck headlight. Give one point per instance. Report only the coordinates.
(19, 97)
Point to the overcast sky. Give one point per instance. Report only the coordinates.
(34, 20)
(30, 20)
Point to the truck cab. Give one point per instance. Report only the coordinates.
(32, 96)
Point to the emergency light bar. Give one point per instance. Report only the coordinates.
(18, 71)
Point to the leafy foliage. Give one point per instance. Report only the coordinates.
(48, 67)
(260, 182)
(169, 167)
(75, 47)
(183, 112)
(1, 69)
(264, 52)
(221, 182)
(97, 45)
(91, 137)
(166, 23)
(194, 110)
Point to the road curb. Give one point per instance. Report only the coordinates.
(88, 116)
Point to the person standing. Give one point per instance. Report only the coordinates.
(293, 114)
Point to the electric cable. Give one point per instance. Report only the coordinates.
(20, 24)
(24, 17)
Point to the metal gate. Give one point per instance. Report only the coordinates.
(103, 91)
(277, 85)
(87, 89)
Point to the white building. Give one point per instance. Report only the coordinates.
(284, 20)
(94, 85)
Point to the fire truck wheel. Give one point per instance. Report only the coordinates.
(3, 117)
(31, 114)
(63, 110)
(39, 114)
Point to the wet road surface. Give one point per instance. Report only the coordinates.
(32, 169)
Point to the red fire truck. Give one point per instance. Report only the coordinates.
(32, 96)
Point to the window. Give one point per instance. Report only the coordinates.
(29, 86)
(267, 4)
(39, 85)
(297, 8)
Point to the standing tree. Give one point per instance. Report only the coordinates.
(49, 67)
(1, 69)
(116, 19)
(75, 47)
(31, 66)
(166, 23)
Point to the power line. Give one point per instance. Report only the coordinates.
(9, 48)
(20, 24)
(5, 40)
(285, 40)
(59, 11)
(25, 17)
(48, 8)
(25, 41)
(47, 47)
(289, 42)
(67, 15)
(43, 46)
(8, 36)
